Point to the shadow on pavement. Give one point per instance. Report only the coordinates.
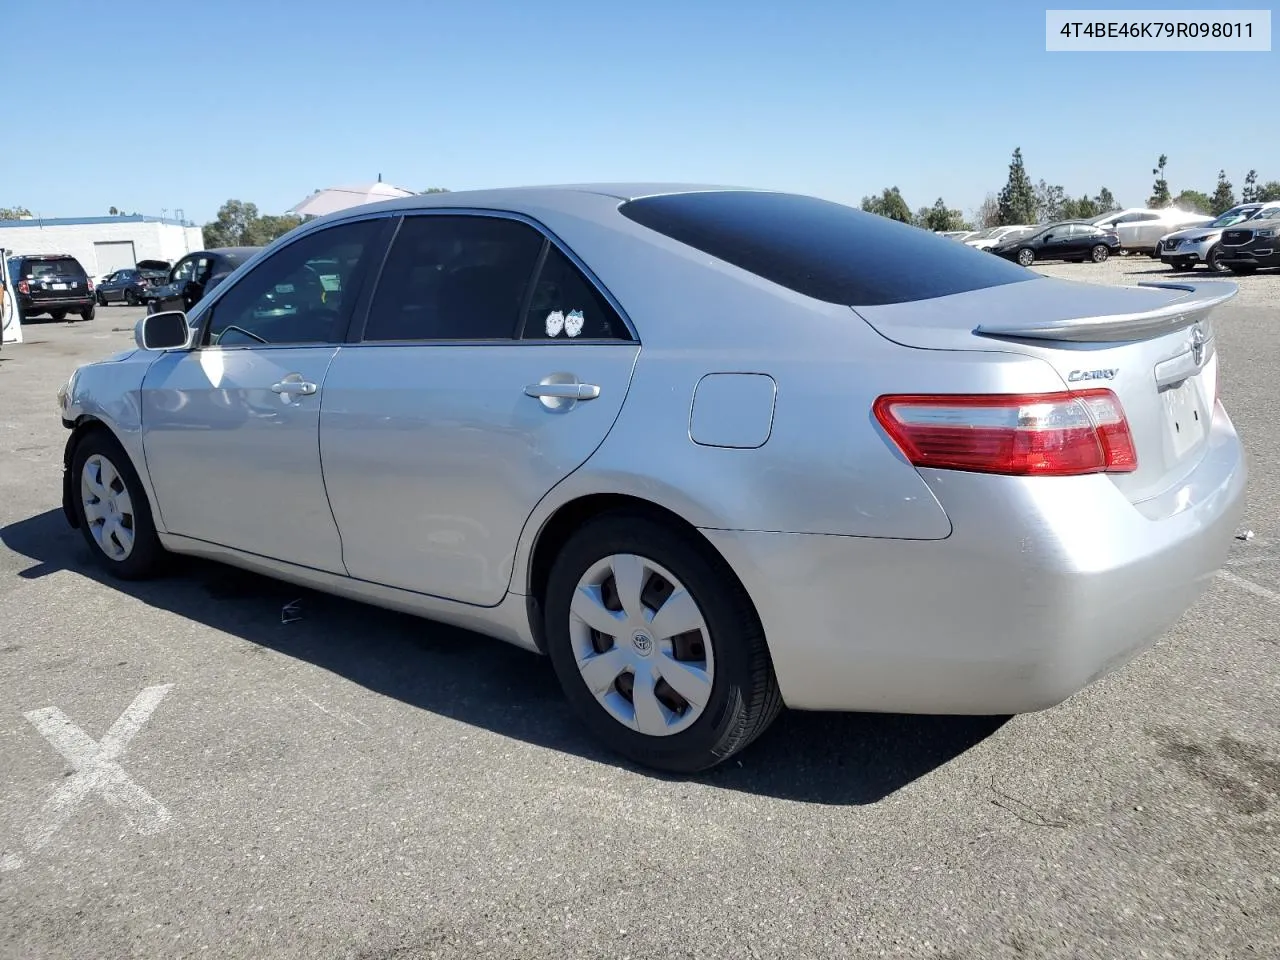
(827, 758)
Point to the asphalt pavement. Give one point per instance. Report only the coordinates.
(184, 773)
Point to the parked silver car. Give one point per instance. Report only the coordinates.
(1186, 248)
(692, 443)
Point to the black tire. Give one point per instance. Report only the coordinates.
(1026, 256)
(1099, 253)
(88, 314)
(57, 315)
(1213, 259)
(102, 299)
(130, 298)
(744, 696)
(143, 560)
(1241, 269)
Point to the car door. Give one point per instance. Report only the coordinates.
(1050, 243)
(169, 296)
(1075, 240)
(231, 428)
(489, 368)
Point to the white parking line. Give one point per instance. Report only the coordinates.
(96, 771)
(1248, 585)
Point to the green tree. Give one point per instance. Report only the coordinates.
(1194, 200)
(941, 217)
(1268, 192)
(1017, 200)
(14, 213)
(988, 213)
(1160, 189)
(238, 224)
(1105, 202)
(1224, 195)
(1249, 193)
(1079, 208)
(1049, 200)
(113, 212)
(889, 204)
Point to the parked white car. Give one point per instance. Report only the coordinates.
(988, 238)
(1143, 235)
(1109, 220)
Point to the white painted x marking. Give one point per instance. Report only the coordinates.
(96, 771)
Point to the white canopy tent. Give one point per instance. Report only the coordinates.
(341, 198)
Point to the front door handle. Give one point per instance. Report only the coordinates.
(289, 386)
(563, 391)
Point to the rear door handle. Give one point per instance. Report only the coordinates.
(563, 391)
(287, 386)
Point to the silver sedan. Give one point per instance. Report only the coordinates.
(711, 450)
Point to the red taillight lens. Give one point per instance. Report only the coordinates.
(24, 287)
(89, 283)
(1042, 434)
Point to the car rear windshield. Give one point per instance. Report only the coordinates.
(55, 267)
(821, 249)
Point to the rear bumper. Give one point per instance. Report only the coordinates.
(1045, 585)
(30, 306)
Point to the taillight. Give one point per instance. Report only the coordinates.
(89, 283)
(1040, 434)
(24, 287)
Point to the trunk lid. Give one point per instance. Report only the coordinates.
(1153, 345)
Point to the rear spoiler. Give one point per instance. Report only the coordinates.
(1123, 326)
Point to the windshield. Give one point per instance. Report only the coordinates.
(64, 267)
(1233, 216)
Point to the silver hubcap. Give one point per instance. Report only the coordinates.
(107, 508)
(1099, 254)
(1026, 257)
(642, 645)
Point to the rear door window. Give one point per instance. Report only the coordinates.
(566, 306)
(454, 278)
(823, 250)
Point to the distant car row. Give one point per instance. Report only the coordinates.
(1179, 238)
(57, 285)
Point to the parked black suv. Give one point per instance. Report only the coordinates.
(55, 284)
(1252, 246)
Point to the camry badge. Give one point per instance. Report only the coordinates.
(1075, 376)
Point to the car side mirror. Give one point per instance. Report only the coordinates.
(163, 331)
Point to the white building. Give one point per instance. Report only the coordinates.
(102, 244)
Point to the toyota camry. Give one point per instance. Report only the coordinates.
(713, 451)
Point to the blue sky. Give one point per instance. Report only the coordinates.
(266, 101)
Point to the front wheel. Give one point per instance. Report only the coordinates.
(1026, 256)
(112, 507)
(1213, 260)
(1099, 253)
(131, 298)
(102, 299)
(656, 644)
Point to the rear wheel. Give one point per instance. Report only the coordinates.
(656, 644)
(102, 299)
(88, 314)
(58, 315)
(131, 298)
(1099, 253)
(1026, 256)
(115, 517)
